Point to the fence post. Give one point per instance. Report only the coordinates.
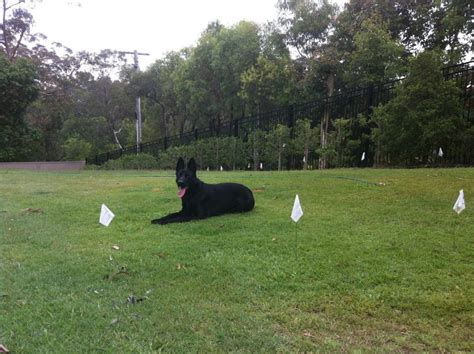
(196, 136)
(165, 143)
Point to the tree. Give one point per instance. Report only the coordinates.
(215, 67)
(309, 25)
(18, 85)
(277, 146)
(376, 59)
(256, 147)
(76, 149)
(450, 29)
(15, 29)
(91, 130)
(158, 84)
(305, 140)
(424, 115)
(268, 84)
(426, 24)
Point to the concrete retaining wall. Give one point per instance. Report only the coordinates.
(44, 165)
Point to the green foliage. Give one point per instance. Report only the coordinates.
(425, 114)
(256, 143)
(307, 23)
(313, 50)
(167, 159)
(209, 153)
(18, 88)
(377, 58)
(226, 152)
(306, 140)
(349, 139)
(277, 147)
(340, 144)
(141, 161)
(267, 84)
(93, 130)
(76, 149)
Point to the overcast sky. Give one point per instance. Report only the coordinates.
(151, 26)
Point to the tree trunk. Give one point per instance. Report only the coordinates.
(279, 160)
(306, 153)
(256, 157)
(325, 121)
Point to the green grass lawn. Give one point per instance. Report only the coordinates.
(378, 267)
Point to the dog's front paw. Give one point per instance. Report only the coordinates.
(158, 221)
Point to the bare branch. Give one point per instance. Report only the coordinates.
(18, 43)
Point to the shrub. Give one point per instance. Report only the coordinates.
(141, 161)
(76, 149)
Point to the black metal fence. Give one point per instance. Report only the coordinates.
(347, 105)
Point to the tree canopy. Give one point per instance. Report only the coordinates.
(57, 104)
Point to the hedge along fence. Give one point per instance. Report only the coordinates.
(269, 150)
(349, 132)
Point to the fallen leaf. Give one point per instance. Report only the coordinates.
(115, 247)
(307, 334)
(114, 321)
(274, 239)
(32, 210)
(257, 190)
(180, 266)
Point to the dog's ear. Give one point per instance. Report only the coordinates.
(192, 166)
(180, 165)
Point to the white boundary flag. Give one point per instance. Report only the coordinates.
(106, 215)
(440, 152)
(460, 205)
(363, 156)
(297, 211)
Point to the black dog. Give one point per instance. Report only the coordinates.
(201, 200)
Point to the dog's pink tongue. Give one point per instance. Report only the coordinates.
(181, 192)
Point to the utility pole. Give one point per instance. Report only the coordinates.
(138, 111)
